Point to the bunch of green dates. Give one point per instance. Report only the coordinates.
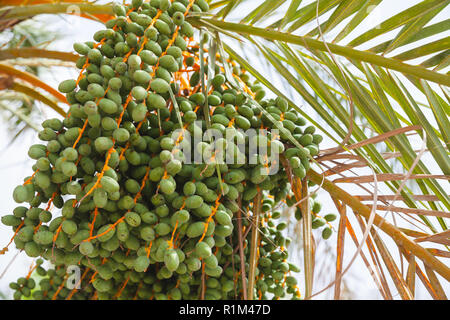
(137, 218)
(317, 222)
(24, 285)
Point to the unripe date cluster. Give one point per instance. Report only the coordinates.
(138, 221)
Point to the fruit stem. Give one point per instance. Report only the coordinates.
(241, 251)
(254, 244)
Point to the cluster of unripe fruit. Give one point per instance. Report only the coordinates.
(139, 221)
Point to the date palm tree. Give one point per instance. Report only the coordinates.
(375, 87)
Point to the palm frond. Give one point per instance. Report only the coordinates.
(340, 81)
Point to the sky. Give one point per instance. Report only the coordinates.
(14, 165)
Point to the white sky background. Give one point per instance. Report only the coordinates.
(15, 165)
